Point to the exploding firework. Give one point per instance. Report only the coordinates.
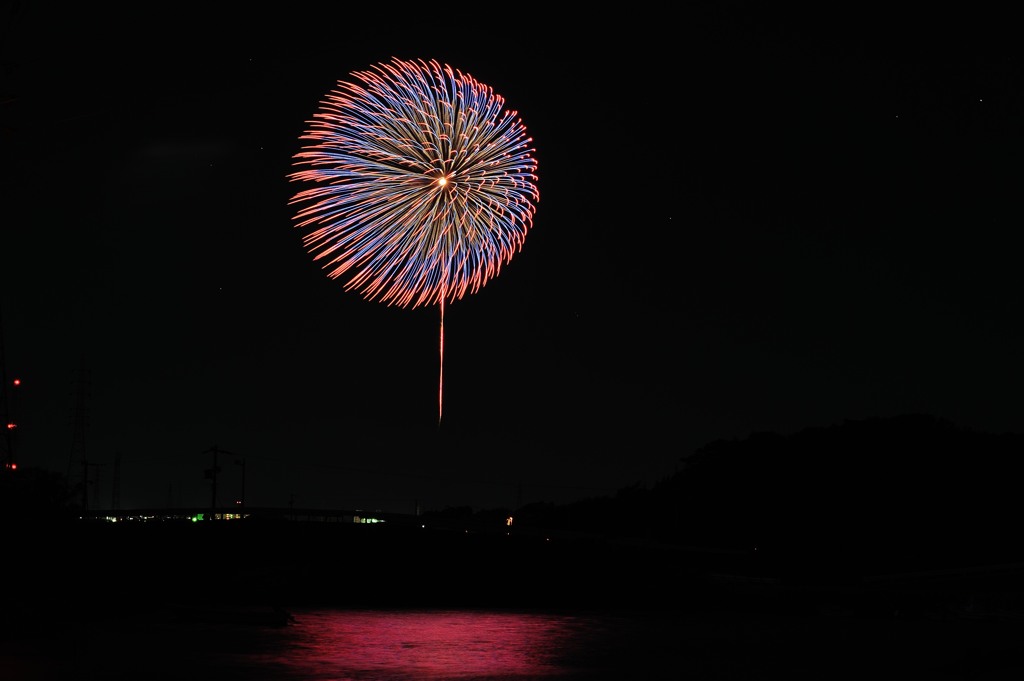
(424, 185)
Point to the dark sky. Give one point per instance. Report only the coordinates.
(748, 221)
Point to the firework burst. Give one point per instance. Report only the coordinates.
(423, 184)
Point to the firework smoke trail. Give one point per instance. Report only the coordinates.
(424, 185)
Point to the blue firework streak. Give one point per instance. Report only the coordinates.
(425, 183)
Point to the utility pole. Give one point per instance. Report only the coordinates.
(115, 492)
(79, 418)
(211, 474)
(241, 462)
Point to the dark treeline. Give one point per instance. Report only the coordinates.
(38, 496)
(911, 491)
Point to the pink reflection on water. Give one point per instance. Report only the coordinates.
(424, 645)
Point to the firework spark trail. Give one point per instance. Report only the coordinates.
(425, 185)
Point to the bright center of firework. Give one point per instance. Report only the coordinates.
(442, 181)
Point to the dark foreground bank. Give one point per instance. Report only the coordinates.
(92, 567)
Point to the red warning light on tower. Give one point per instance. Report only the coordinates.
(11, 425)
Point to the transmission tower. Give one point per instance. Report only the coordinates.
(85, 483)
(8, 419)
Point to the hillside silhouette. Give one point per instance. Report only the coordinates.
(901, 493)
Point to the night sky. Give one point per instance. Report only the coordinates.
(748, 221)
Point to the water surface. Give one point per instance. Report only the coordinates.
(329, 644)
